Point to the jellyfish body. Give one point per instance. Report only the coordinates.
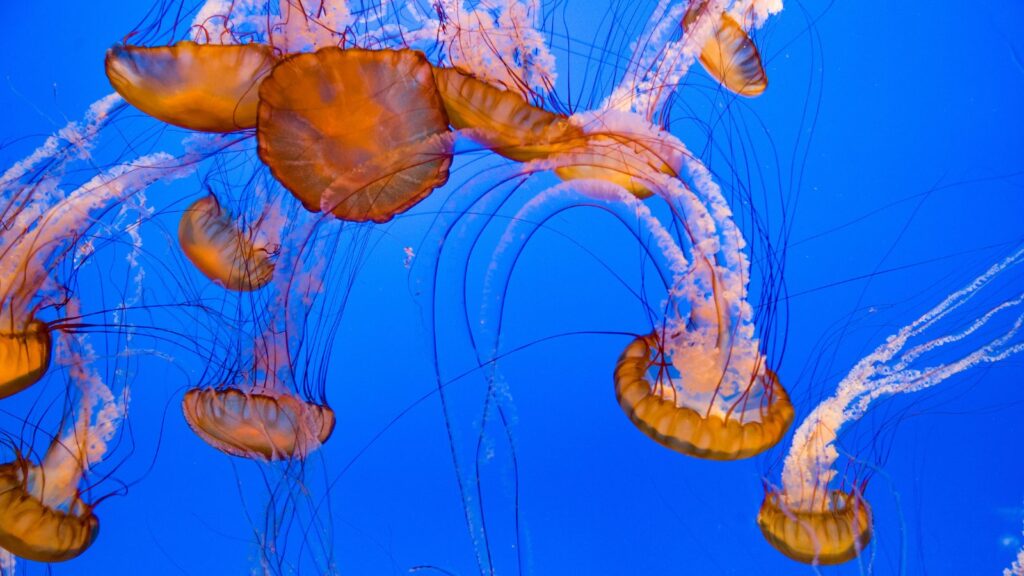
(729, 55)
(262, 425)
(658, 409)
(502, 120)
(361, 134)
(207, 87)
(31, 528)
(838, 524)
(832, 534)
(24, 357)
(221, 249)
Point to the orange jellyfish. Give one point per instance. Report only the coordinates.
(40, 226)
(833, 533)
(257, 413)
(361, 134)
(729, 55)
(503, 120)
(668, 415)
(811, 522)
(43, 516)
(222, 250)
(208, 87)
(261, 423)
(24, 356)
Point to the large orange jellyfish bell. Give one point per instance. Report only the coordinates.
(24, 357)
(265, 425)
(208, 87)
(730, 56)
(33, 530)
(359, 133)
(659, 410)
(833, 533)
(221, 250)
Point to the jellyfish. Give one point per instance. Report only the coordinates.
(237, 258)
(41, 225)
(729, 56)
(44, 514)
(709, 392)
(207, 87)
(361, 134)
(258, 414)
(808, 519)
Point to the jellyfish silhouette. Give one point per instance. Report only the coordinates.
(810, 521)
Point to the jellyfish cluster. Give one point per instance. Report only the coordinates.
(344, 119)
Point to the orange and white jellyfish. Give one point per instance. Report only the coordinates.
(44, 514)
(257, 413)
(810, 520)
(699, 382)
(41, 224)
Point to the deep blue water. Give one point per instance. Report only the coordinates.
(890, 137)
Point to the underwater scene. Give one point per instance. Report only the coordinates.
(512, 287)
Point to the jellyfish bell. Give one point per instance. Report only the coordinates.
(835, 531)
(502, 120)
(24, 357)
(260, 425)
(33, 526)
(221, 249)
(729, 55)
(206, 87)
(702, 423)
(361, 134)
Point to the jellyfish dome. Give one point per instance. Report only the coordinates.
(32, 528)
(263, 425)
(361, 134)
(24, 357)
(706, 423)
(834, 533)
(207, 87)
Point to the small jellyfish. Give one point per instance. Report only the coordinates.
(729, 56)
(257, 423)
(257, 412)
(810, 522)
(361, 134)
(833, 533)
(665, 413)
(39, 520)
(207, 87)
(223, 250)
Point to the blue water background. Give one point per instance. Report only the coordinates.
(897, 131)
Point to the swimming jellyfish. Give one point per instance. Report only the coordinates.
(237, 257)
(808, 520)
(43, 516)
(259, 415)
(41, 224)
